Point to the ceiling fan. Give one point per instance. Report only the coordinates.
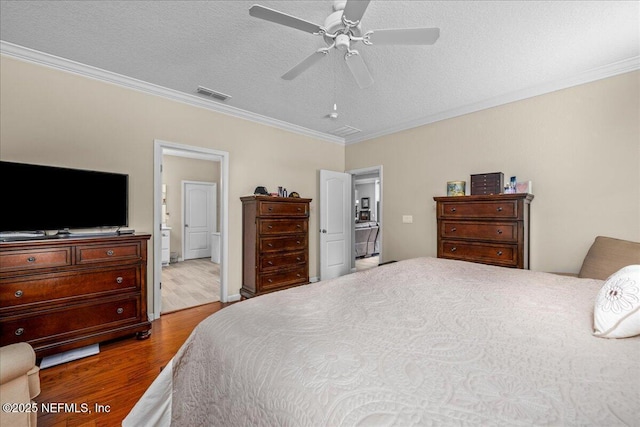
(341, 30)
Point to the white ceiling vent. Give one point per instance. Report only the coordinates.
(345, 131)
(212, 93)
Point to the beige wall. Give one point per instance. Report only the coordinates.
(57, 118)
(580, 147)
(174, 171)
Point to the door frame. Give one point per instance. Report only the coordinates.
(175, 149)
(184, 184)
(354, 173)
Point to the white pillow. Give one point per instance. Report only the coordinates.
(617, 310)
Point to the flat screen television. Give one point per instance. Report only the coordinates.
(38, 198)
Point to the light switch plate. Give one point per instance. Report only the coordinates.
(407, 219)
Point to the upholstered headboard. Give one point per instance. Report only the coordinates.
(608, 255)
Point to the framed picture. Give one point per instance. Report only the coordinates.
(364, 216)
(364, 203)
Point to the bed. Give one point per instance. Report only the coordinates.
(423, 341)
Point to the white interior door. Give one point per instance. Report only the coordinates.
(199, 219)
(335, 224)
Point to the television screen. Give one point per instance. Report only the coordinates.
(36, 197)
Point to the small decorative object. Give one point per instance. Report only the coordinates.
(261, 190)
(487, 183)
(365, 203)
(364, 216)
(294, 194)
(511, 188)
(524, 187)
(456, 188)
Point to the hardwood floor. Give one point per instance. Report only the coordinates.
(190, 283)
(118, 376)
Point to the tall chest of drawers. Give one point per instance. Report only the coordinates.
(275, 252)
(61, 294)
(488, 229)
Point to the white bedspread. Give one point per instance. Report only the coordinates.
(419, 342)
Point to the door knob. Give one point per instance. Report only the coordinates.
(323, 230)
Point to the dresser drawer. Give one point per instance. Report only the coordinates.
(488, 209)
(274, 262)
(497, 254)
(57, 323)
(282, 226)
(278, 244)
(494, 231)
(55, 288)
(89, 254)
(277, 208)
(279, 279)
(35, 259)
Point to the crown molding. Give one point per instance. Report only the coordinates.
(610, 70)
(36, 57)
(52, 61)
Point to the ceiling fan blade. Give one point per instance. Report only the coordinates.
(403, 36)
(354, 9)
(305, 64)
(283, 19)
(358, 69)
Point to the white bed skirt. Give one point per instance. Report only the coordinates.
(154, 408)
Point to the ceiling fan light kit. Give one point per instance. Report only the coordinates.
(342, 29)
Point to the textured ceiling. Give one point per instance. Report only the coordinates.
(489, 52)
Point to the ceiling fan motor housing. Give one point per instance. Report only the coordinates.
(333, 24)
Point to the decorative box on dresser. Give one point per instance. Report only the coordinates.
(275, 252)
(64, 293)
(488, 229)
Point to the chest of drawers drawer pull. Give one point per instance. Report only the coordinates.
(453, 249)
(270, 262)
(454, 229)
(499, 231)
(19, 331)
(453, 209)
(31, 259)
(499, 253)
(270, 245)
(18, 293)
(110, 252)
(120, 310)
(119, 280)
(499, 209)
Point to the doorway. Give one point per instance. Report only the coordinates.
(169, 221)
(367, 217)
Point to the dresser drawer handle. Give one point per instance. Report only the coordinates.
(270, 245)
(298, 275)
(119, 280)
(19, 331)
(297, 242)
(270, 227)
(499, 209)
(453, 229)
(31, 259)
(499, 231)
(298, 259)
(499, 253)
(270, 208)
(120, 310)
(270, 280)
(18, 294)
(453, 249)
(453, 209)
(299, 209)
(110, 252)
(298, 226)
(270, 262)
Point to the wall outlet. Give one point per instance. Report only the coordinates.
(407, 219)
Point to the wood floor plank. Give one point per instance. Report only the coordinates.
(116, 377)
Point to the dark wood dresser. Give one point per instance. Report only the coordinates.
(275, 253)
(489, 229)
(65, 293)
